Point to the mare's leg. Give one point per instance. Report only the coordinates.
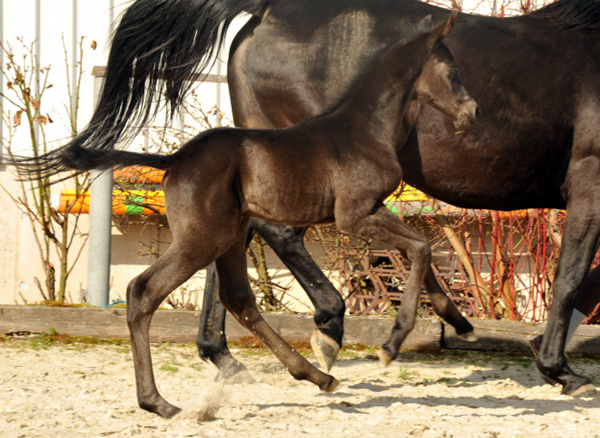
(211, 340)
(580, 240)
(236, 295)
(288, 244)
(378, 223)
(144, 295)
(446, 309)
(579, 244)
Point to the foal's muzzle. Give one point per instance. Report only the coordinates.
(468, 114)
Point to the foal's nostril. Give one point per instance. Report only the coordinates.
(477, 112)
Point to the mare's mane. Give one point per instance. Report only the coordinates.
(572, 14)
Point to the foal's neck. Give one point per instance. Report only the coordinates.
(378, 101)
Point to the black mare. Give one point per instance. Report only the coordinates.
(338, 167)
(536, 78)
(537, 145)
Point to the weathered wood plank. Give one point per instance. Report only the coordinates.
(514, 336)
(369, 330)
(182, 326)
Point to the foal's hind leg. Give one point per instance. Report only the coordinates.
(236, 295)
(144, 295)
(211, 340)
(382, 225)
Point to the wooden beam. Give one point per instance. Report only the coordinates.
(182, 326)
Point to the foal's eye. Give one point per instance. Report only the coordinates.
(452, 70)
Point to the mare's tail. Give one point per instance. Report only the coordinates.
(156, 40)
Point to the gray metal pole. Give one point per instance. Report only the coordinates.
(100, 231)
(1, 68)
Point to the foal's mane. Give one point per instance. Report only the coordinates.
(572, 14)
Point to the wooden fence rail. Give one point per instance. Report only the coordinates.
(182, 326)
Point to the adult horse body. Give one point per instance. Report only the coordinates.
(346, 167)
(537, 144)
(536, 78)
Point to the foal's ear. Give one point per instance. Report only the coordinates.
(438, 32)
(449, 24)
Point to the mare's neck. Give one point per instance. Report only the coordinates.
(378, 101)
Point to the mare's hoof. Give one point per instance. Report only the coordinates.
(585, 390)
(468, 337)
(325, 349)
(384, 357)
(331, 386)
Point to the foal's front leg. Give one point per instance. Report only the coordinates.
(236, 295)
(361, 219)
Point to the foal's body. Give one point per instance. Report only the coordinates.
(336, 167)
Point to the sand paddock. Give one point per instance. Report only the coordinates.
(85, 390)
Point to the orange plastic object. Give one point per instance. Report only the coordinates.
(139, 175)
(130, 202)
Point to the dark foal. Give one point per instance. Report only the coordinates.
(336, 167)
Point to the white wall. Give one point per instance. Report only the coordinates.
(56, 26)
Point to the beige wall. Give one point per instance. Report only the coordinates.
(20, 261)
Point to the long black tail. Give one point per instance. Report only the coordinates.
(156, 41)
(81, 159)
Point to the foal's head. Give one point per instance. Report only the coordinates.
(439, 84)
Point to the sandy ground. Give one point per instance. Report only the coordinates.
(88, 391)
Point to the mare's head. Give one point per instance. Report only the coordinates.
(439, 84)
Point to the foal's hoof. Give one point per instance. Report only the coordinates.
(468, 337)
(330, 386)
(549, 380)
(325, 349)
(171, 412)
(162, 408)
(535, 344)
(384, 357)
